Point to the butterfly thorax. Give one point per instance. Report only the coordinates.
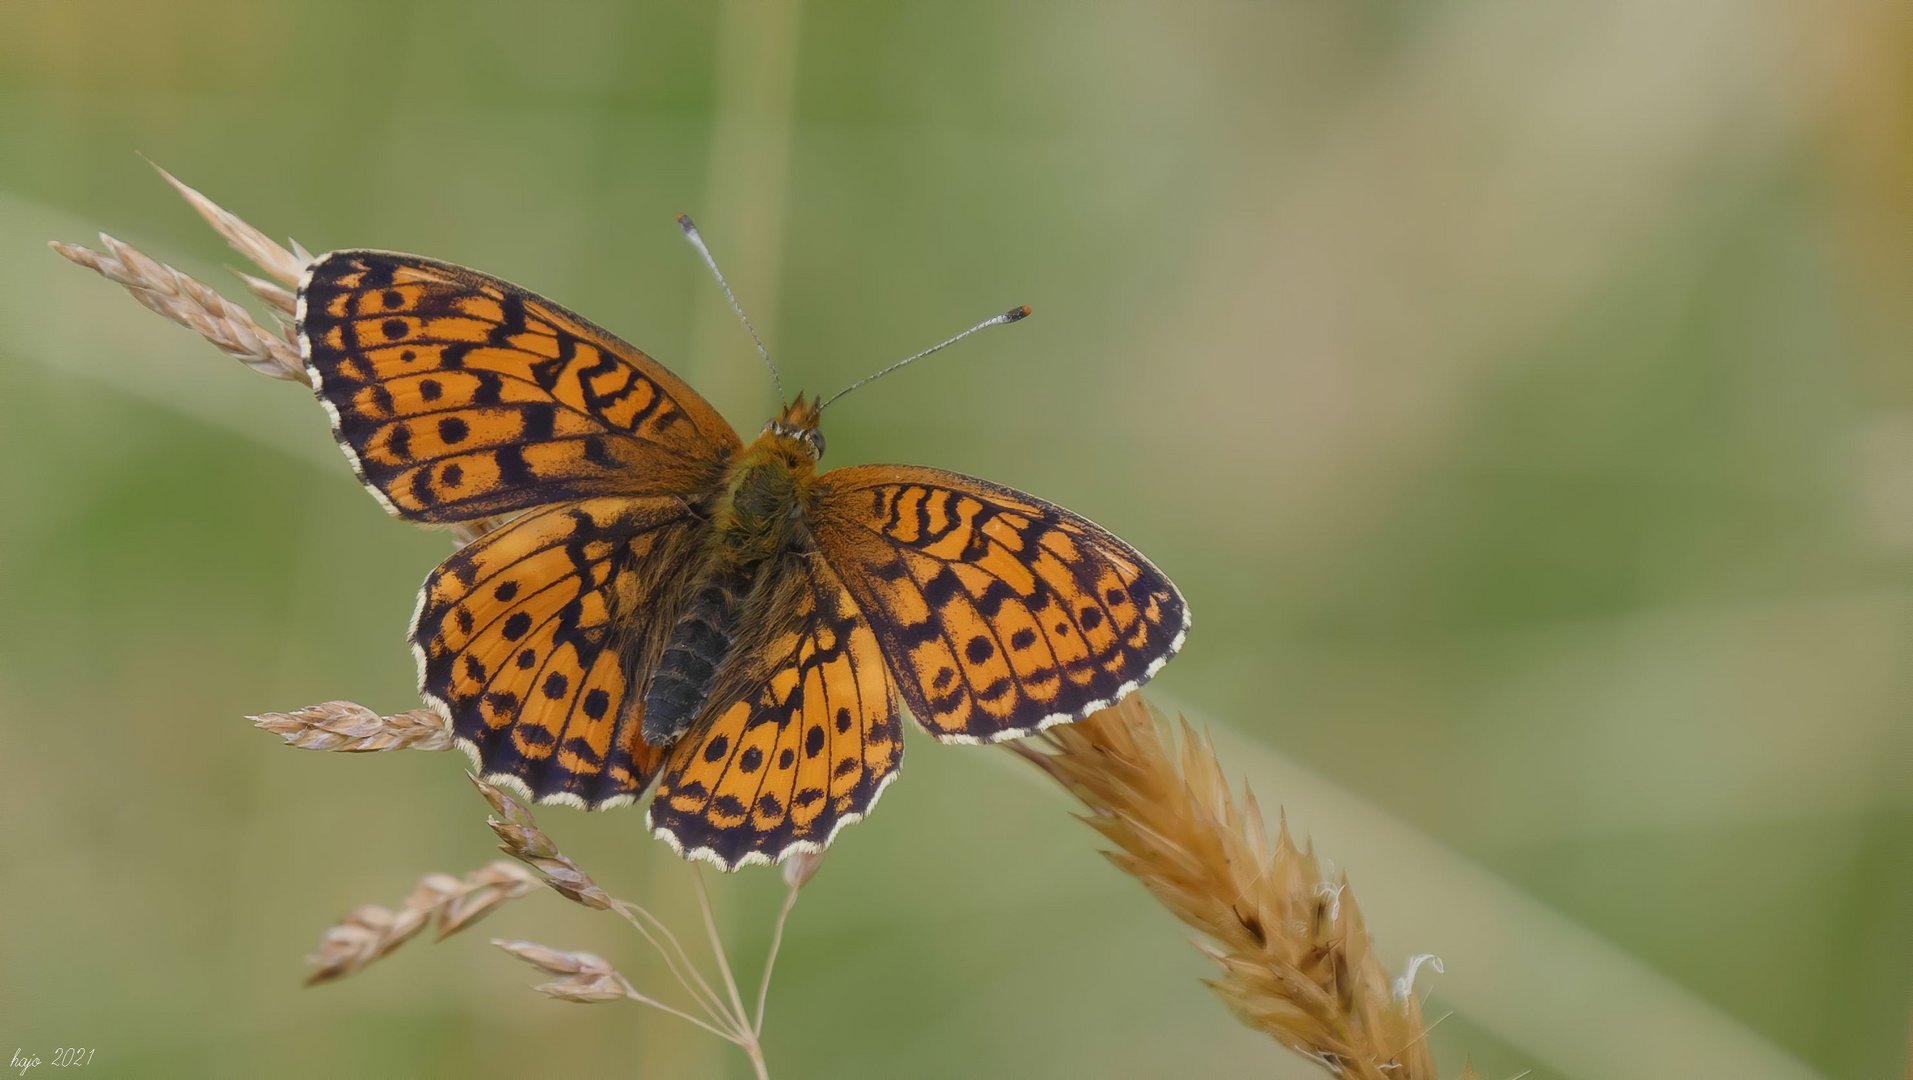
(760, 512)
(757, 519)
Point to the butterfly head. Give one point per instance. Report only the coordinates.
(797, 423)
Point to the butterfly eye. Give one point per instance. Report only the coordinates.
(816, 440)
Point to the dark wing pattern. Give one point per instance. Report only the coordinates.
(532, 640)
(800, 736)
(1000, 614)
(458, 396)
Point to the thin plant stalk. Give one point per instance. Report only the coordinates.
(717, 944)
(687, 975)
(641, 999)
(770, 959)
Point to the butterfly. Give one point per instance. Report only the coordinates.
(665, 603)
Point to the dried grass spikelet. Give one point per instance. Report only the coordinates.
(197, 306)
(282, 265)
(522, 839)
(584, 978)
(371, 931)
(352, 728)
(1296, 959)
(191, 304)
(720, 1008)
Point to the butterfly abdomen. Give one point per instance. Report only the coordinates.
(699, 642)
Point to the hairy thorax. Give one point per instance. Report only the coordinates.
(766, 495)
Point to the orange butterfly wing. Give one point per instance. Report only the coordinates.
(1000, 614)
(799, 739)
(532, 640)
(458, 396)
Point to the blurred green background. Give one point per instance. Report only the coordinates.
(1520, 393)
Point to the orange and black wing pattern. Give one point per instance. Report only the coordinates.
(458, 396)
(532, 641)
(799, 739)
(999, 613)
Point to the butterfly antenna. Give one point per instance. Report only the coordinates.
(1015, 314)
(697, 241)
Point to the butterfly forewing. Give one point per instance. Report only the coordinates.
(799, 739)
(458, 396)
(999, 613)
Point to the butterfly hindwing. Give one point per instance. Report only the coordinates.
(526, 640)
(800, 736)
(457, 395)
(1000, 614)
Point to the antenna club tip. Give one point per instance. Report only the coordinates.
(1016, 314)
(685, 223)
